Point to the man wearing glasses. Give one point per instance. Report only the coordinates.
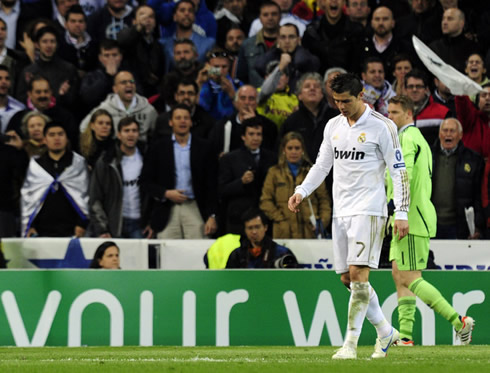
(428, 114)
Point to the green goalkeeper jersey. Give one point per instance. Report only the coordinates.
(422, 217)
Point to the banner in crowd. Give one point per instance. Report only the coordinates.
(214, 308)
(189, 254)
(69, 253)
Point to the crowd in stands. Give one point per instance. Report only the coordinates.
(169, 119)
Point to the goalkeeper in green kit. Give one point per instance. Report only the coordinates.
(409, 255)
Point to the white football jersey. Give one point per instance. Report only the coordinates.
(360, 155)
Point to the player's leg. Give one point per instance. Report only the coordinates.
(411, 258)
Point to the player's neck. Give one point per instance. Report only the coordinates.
(355, 117)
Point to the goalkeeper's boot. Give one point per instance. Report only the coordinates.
(404, 342)
(464, 334)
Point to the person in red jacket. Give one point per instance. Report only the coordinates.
(476, 121)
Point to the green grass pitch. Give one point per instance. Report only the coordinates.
(419, 359)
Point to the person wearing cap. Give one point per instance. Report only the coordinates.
(54, 196)
(218, 91)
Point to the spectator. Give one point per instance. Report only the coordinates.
(226, 135)
(334, 38)
(109, 20)
(233, 41)
(242, 173)
(475, 69)
(179, 176)
(54, 194)
(106, 256)
(476, 121)
(454, 47)
(125, 101)
(62, 75)
(257, 250)
(14, 60)
(184, 17)
(377, 91)
(442, 95)
(312, 115)
(259, 44)
(329, 76)
(76, 45)
(383, 43)
(205, 23)
(402, 65)
(423, 22)
(40, 98)
(33, 126)
(142, 50)
(202, 122)
(186, 66)
(8, 105)
(358, 11)
(428, 114)
(218, 91)
(60, 10)
(279, 185)
(233, 14)
(97, 84)
(97, 137)
(118, 206)
(456, 183)
(12, 170)
(289, 42)
(286, 17)
(276, 101)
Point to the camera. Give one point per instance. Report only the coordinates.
(216, 71)
(286, 261)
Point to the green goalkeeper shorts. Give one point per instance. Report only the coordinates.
(410, 253)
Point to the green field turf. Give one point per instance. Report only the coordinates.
(433, 359)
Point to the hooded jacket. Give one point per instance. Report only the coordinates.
(140, 109)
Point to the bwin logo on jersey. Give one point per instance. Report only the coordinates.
(349, 154)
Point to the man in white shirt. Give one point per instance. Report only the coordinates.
(360, 143)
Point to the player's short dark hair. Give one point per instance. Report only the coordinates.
(46, 30)
(75, 9)
(127, 121)
(180, 107)
(182, 2)
(417, 74)
(404, 101)
(107, 44)
(252, 213)
(368, 60)
(36, 78)
(347, 83)
(253, 122)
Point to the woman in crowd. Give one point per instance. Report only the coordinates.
(32, 126)
(279, 184)
(97, 137)
(106, 256)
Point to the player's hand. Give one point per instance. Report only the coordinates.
(176, 195)
(400, 227)
(294, 202)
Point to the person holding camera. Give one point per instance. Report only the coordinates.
(241, 175)
(217, 87)
(257, 250)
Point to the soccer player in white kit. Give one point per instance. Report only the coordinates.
(360, 143)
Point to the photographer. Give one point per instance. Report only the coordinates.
(217, 86)
(258, 250)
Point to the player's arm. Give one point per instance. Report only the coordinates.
(316, 175)
(393, 156)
